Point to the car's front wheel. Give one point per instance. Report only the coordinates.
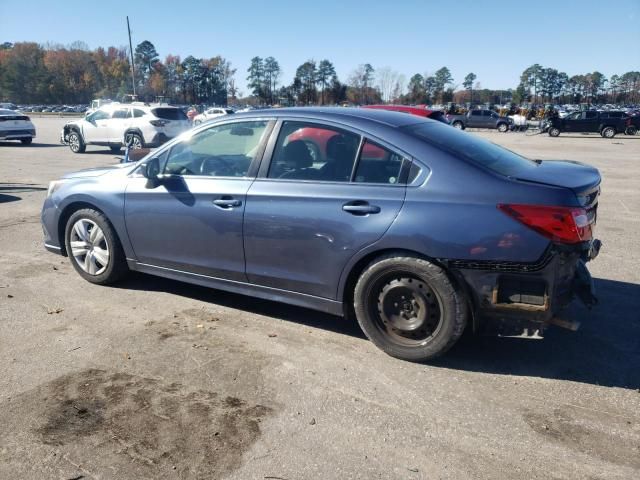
(408, 307)
(93, 247)
(458, 125)
(608, 132)
(76, 144)
(503, 127)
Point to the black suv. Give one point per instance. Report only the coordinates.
(607, 124)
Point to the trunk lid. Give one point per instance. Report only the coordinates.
(577, 176)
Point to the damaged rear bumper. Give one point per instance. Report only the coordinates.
(512, 299)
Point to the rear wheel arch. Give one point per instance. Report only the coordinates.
(360, 266)
(134, 131)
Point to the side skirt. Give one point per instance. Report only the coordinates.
(326, 305)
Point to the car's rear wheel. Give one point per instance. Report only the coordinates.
(608, 132)
(134, 140)
(554, 132)
(93, 247)
(26, 141)
(76, 144)
(631, 130)
(458, 125)
(409, 308)
(503, 127)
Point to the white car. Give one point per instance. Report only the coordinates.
(210, 113)
(16, 126)
(115, 125)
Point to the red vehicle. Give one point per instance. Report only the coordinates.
(420, 111)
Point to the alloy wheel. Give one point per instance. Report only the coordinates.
(74, 142)
(89, 247)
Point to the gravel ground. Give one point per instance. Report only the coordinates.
(158, 379)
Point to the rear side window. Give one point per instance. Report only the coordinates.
(378, 165)
(309, 151)
(590, 115)
(469, 147)
(169, 113)
(122, 113)
(137, 113)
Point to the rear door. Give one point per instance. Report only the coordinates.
(325, 194)
(119, 122)
(475, 118)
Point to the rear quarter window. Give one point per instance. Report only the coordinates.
(471, 148)
(169, 113)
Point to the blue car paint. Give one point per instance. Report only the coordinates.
(290, 240)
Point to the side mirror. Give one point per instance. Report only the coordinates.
(151, 171)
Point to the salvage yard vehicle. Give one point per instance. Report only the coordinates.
(16, 126)
(420, 111)
(114, 125)
(481, 119)
(418, 229)
(211, 113)
(607, 124)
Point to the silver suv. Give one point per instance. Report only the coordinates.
(115, 124)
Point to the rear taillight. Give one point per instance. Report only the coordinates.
(559, 224)
(158, 123)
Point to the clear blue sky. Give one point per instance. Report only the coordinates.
(494, 39)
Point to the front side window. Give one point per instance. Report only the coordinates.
(590, 115)
(378, 165)
(309, 151)
(98, 115)
(221, 151)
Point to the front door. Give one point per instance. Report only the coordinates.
(95, 128)
(310, 210)
(192, 221)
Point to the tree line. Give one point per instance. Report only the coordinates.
(33, 73)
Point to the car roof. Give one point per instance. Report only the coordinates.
(6, 111)
(347, 115)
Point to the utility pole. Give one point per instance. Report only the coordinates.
(133, 70)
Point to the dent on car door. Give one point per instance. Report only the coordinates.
(309, 211)
(192, 220)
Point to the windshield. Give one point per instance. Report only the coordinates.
(468, 146)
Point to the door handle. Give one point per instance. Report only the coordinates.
(227, 202)
(360, 208)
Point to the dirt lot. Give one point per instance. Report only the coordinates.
(157, 379)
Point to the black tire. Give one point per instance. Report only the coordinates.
(76, 143)
(631, 130)
(26, 141)
(554, 131)
(503, 127)
(115, 149)
(458, 124)
(409, 308)
(608, 132)
(116, 267)
(133, 139)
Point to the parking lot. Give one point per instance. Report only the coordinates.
(157, 379)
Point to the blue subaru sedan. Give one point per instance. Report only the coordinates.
(415, 228)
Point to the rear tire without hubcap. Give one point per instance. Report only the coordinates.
(93, 247)
(408, 307)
